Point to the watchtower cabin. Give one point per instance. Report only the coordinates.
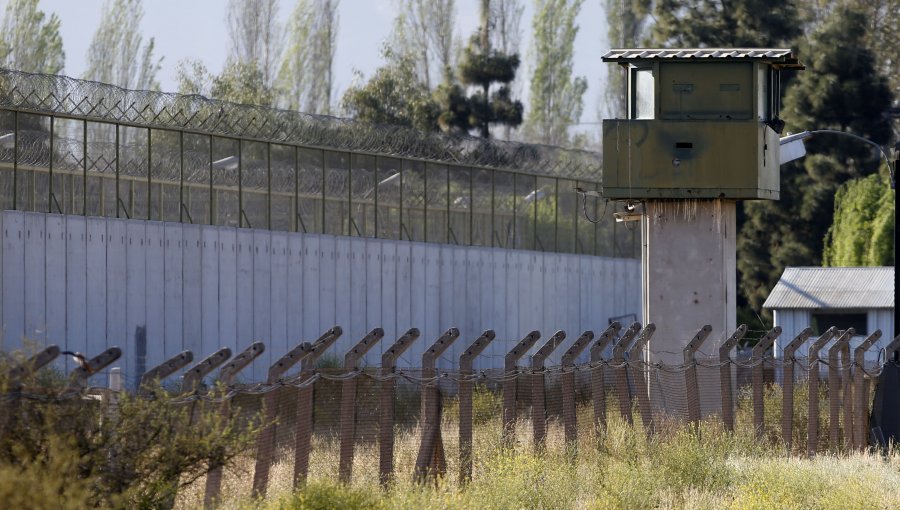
(702, 123)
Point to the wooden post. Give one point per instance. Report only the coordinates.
(39, 360)
(725, 376)
(196, 373)
(570, 419)
(598, 386)
(305, 404)
(466, 362)
(348, 402)
(690, 374)
(226, 377)
(430, 460)
(787, 397)
(757, 360)
(639, 376)
(812, 431)
(847, 395)
(510, 381)
(538, 414)
(622, 387)
(265, 442)
(834, 388)
(386, 422)
(860, 401)
(78, 378)
(152, 377)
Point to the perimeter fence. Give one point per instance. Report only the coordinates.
(77, 147)
(374, 424)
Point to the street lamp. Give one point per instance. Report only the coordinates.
(791, 148)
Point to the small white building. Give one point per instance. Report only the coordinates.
(821, 297)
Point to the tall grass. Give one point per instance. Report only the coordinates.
(623, 467)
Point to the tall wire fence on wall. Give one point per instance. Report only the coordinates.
(77, 147)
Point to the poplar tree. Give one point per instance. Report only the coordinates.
(557, 99)
(117, 53)
(424, 33)
(29, 41)
(626, 22)
(306, 78)
(255, 35)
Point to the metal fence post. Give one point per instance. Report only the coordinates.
(787, 394)
(622, 387)
(812, 432)
(226, 377)
(510, 379)
(725, 376)
(570, 419)
(305, 403)
(466, 384)
(690, 374)
(430, 461)
(538, 415)
(265, 442)
(78, 378)
(757, 360)
(165, 369)
(859, 395)
(639, 376)
(834, 388)
(348, 402)
(386, 422)
(598, 385)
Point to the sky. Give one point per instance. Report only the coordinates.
(197, 29)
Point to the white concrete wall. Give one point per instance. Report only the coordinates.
(793, 321)
(88, 283)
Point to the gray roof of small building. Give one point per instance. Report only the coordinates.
(833, 287)
(781, 57)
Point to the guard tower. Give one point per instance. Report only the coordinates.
(701, 133)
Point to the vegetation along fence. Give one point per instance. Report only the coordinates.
(375, 423)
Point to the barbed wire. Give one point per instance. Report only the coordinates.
(496, 376)
(89, 100)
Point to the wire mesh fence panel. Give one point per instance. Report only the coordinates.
(460, 196)
(526, 204)
(567, 212)
(412, 179)
(283, 188)
(386, 192)
(254, 169)
(226, 182)
(337, 193)
(8, 159)
(504, 190)
(310, 180)
(32, 144)
(165, 175)
(436, 203)
(197, 181)
(482, 206)
(362, 189)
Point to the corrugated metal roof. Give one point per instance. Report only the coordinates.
(833, 287)
(779, 56)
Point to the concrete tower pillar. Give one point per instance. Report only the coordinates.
(688, 272)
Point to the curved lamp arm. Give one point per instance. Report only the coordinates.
(806, 134)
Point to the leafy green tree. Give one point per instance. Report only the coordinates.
(713, 23)
(483, 68)
(557, 99)
(242, 82)
(863, 228)
(306, 78)
(841, 89)
(28, 41)
(117, 53)
(394, 95)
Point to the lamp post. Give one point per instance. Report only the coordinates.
(792, 148)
